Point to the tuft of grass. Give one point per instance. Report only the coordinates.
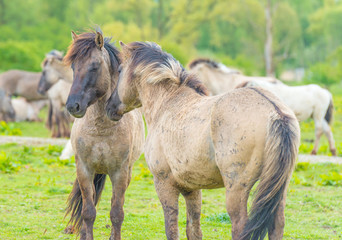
(9, 129)
(219, 217)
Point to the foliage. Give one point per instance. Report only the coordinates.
(304, 32)
(9, 129)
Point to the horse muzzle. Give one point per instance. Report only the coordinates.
(75, 108)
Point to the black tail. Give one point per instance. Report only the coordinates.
(329, 114)
(281, 150)
(74, 202)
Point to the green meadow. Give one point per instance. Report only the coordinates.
(35, 185)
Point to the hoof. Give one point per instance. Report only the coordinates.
(333, 152)
(69, 230)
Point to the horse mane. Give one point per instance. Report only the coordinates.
(206, 61)
(84, 44)
(149, 58)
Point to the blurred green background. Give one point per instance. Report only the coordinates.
(306, 33)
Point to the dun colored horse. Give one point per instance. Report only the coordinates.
(21, 83)
(101, 146)
(7, 112)
(198, 142)
(219, 78)
(57, 89)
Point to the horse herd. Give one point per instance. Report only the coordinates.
(241, 134)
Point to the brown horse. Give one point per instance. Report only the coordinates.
(21, 83)
(198, 142)
(101, 146)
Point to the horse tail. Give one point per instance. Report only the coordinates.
(280, 155)
(74, 202)
(329, 114)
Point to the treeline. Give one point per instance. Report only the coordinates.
(305, 33)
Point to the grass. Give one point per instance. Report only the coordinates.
(32, 202)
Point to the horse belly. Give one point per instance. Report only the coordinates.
(201, 177)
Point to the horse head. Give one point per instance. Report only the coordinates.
(94, 63)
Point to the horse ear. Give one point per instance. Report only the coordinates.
(122, 44)
(99, 39)
(74, 35)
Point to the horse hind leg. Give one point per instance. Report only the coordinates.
(193, 212)
(318, 134)
(236, 204)
(329, 134)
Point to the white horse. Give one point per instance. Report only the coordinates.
(308, 101)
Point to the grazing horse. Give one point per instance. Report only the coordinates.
(21, 83)
(7, 112)
(307, 101)
(198, 142)
(101, 146)
(57, 89)
(219, 78)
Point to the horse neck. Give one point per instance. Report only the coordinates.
(158, 97)
(65, 72)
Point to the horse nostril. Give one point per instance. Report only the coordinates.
(77, 107)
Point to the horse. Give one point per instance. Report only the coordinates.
(308, 101)
(199, 142)
(21, 83)
(7, 112)
(101, 146)
(25, 110)
(219, 78)
(57, 89)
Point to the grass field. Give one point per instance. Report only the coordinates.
(35, 185)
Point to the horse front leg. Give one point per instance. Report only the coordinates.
(193, 214)
(88, 213)
(120, 181)
(168, 196)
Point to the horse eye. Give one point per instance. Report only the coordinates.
(119, 69)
